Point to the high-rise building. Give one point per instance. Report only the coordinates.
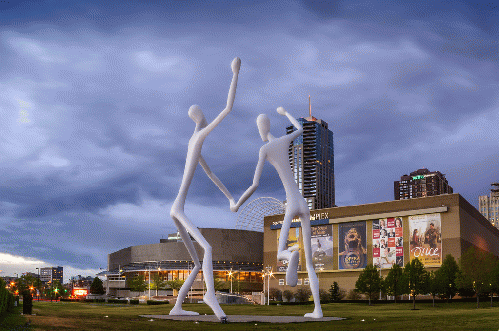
(421, 183)
(488, 205)
(312, 160)
(48, 275)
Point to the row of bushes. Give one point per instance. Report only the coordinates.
(6, 299)
(122, 301)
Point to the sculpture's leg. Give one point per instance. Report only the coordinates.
(209, 297)
(314, 282)
(177, 309)
(292, 255)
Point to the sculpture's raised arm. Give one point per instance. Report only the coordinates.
(236, 65)
(299, 128)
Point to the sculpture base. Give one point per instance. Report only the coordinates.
(244, 318)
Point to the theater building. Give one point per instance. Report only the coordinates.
(346, 239)
(237, 256)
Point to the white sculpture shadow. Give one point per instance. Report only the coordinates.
(276, 152)
(183, 224)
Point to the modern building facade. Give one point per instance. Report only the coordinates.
(312, 160)
(421, 183)
(488, 205)
(346, 239)
(237, 256)
(48, 275)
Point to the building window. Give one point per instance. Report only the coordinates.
(299, 282)
(281, 281)
(306, 281)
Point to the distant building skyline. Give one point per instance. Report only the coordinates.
(488, 205)
(311, 156)
(49, 274)
(421, 183)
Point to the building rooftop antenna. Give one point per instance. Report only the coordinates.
(309, 107)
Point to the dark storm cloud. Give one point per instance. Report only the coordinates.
(94, 103)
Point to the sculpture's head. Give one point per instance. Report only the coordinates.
(263, 123)
(196, 114)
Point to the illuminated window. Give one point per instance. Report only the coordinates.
(281, 281)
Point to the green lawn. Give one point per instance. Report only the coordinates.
(87, 316)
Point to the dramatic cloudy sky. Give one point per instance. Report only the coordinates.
(94, 98)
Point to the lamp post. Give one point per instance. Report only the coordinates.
(269, 272)
(230, 275)
(38, 283)
(149, 279)
(263, 274)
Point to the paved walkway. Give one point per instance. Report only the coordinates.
(244, 318)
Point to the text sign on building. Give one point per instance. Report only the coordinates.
(315, 219)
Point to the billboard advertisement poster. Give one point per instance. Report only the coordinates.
(352, 245)
(293, 239)
(426, 239)
(388, 242)
(322, 247)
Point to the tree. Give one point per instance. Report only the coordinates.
(275, 294)
(158, 282)
(137, 283)
(394, 283)
(288, 295)
(219, 284)
(175, 284)
(434, 284)
(446, 277)
(477, 268)
(303, 294)
(369, 282)
(324, 296)
(335, 294)
(97, 287)
(416, 277)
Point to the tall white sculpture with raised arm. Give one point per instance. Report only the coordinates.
(183, 224)
(276, 152)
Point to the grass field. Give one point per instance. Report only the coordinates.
(88, 316)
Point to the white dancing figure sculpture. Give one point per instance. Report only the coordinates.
(276, 152)
(183, 224)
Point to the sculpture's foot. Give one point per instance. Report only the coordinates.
(179, 311)
(211, 300)
(292, 271)
(316, 314)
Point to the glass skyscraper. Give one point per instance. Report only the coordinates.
(312, 160)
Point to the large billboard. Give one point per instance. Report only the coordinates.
(426, 239)
(388, 242)
(352, 245)
(322, 247)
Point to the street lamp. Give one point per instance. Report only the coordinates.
(269, 273)
(230, 275)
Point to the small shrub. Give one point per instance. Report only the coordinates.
(134, 301)
(275, 294)
(324, 296)
(353, 295)
(288, 295)
(154, 302)
(303, 294)
(117, 301)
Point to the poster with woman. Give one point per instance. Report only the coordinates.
(322, 247)
(352, 245)
(388, 242)
(426, 239)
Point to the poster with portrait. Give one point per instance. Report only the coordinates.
(388, 242)
(322, 247)
(426, 239)
(293, 239)
(352, 252)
